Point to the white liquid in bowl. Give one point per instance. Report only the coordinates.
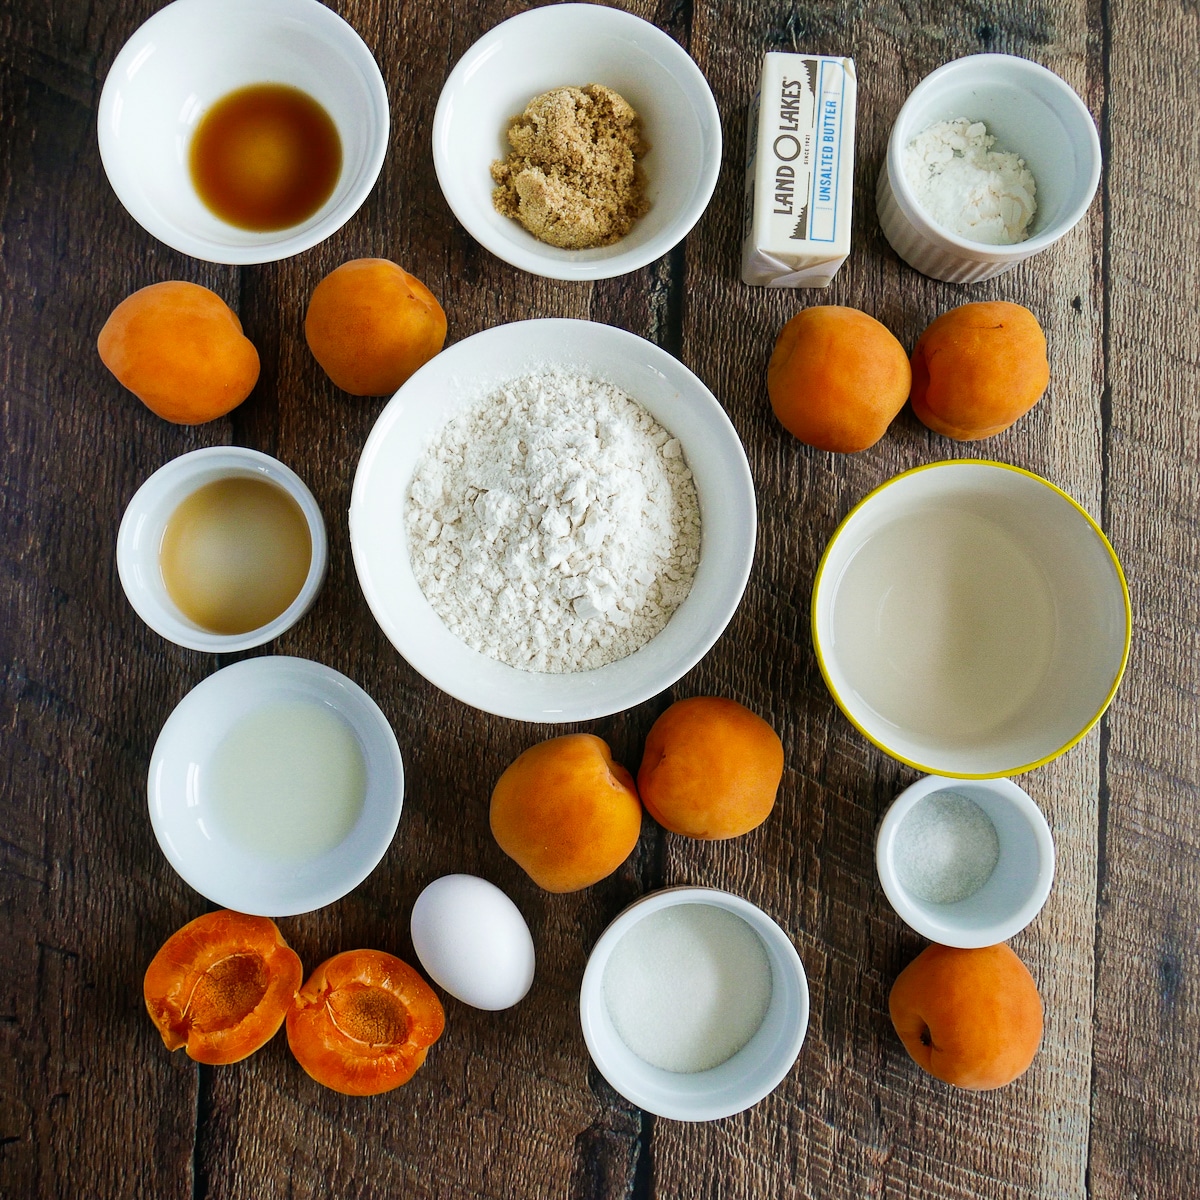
(287, 783)
(943, 624)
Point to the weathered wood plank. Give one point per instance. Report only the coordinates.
(506, 1105)
(1145, 1112)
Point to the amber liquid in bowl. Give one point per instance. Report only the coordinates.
(265, 157)
(235, 554)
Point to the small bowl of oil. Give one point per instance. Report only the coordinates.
(222, 549)
(275, 786)
(243, 131)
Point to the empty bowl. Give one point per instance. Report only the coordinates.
(275, 786)
(572, 45)
(470, 371)
(965, 862)
(142, 529)
(971, 619)
(193, 53)
(1031, 112)
(722, 966)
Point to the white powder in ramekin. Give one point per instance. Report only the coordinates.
(965, 186)
(688, 986)
(554, 525)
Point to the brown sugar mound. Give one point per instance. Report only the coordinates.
(573, 178)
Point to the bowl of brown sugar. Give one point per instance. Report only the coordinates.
(577, 141)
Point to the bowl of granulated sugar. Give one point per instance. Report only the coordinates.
(694, 1004)
(553, 520)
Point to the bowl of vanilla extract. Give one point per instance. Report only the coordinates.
(243, 131)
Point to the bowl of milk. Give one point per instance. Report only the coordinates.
(971, 619)
(275, 786)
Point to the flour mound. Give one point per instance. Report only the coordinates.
(554, 525)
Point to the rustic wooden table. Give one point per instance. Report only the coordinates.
(508, 1106)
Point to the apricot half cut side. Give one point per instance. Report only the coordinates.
(364, 1022)
(221, 986)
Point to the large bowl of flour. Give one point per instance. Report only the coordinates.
(553, 520)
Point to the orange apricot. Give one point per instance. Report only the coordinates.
(221, 986)
(710, 769)
(363, 1022)
(978, 368)
(180, 349)
(837, 378)
(370, 324)
(972, 1018)
(566, 813)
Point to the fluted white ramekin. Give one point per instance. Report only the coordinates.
(1031, 112)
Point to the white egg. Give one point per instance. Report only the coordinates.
(473, 941)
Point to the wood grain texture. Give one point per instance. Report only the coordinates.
(508, 1105)
(1145, 1140)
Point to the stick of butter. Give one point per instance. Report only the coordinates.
(799, 171)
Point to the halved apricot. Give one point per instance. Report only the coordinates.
(221, 986)
(364, 1022)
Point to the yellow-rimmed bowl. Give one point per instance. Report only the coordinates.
(971, 619)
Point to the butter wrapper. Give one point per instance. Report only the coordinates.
(799, 171)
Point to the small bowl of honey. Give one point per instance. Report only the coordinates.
(243, 131)
(222, 549)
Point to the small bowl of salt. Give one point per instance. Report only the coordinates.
(965, 862)
(992, 158)
(694, 1004)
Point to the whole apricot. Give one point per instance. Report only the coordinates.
(977, 368)
(566, 813)
(221, 986)
(972, 1018)
(370, 324)
(710, 769)
(179, 348)
(837, 378)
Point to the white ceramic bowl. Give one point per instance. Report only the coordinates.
(971, 619)
(1020, 881)
(1031, 112)
(182, 806)
(141, 533)
(194, 52)
(752, 1073)
(571, 45)
(468, 371)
